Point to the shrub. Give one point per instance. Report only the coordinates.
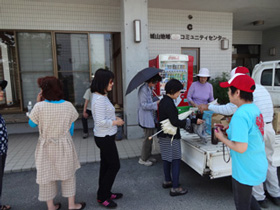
(220, 93)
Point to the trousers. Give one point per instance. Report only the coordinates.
(243, 198)
(48, 191)
(2, 166)
(174, 168)
(271, 183)
(109, 165)
(85, 121)
(147, 144)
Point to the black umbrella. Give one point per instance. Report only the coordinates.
(141, 77)
(3, 84)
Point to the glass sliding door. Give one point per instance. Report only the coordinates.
(35, 60)
(8, 71)
(73, 65)
(101, 51)
(195, 52)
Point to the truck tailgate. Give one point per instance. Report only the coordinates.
(207, 159)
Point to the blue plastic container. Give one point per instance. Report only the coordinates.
(207, 116)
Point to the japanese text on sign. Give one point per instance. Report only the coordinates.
(187, 37)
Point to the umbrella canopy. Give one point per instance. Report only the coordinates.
(3, 84)
(141, 77)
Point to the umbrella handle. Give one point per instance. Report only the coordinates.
(150, 138)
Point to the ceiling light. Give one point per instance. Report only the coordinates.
(258, 22)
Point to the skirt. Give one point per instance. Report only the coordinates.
(170, 151)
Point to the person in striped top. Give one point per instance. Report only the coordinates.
(105, 129)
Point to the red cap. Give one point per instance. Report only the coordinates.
(241, 82)
(239, 69)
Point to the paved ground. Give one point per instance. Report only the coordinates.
(22, 149)
(141, 185)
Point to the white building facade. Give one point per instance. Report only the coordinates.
(72, 40)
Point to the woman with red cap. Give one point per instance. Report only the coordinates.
(245, 139)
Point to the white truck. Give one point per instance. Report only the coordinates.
(210, 160)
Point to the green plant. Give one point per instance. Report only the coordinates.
(220, 93)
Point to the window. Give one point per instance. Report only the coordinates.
(35, 60)
(277, 77)
(73, 65)
(266, 77)
(8, 71)
(72, 57)
(195, 52)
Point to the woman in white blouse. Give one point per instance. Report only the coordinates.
(105, 129)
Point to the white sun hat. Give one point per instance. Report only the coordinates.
(203, 72)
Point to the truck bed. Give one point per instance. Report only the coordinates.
(208, 160)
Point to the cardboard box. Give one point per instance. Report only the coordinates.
(276, 120)
(220, 119)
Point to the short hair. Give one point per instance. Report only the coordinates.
(247, 96)
(51, 88)
(155, 79)
(208, 78)
(101, 81)
(173, 86)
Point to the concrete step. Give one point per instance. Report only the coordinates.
(18, 123)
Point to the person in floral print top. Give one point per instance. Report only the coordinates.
(3, 144)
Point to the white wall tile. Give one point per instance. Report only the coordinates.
(170, 21)
(18, 14)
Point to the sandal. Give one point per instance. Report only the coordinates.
(108, 203)
(116, 196)
(5, 207)
(82, 207)
(178, 191)
(167, 184)
(57, 206)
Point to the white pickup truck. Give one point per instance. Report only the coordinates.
(208, 159)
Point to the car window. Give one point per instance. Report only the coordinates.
(266, 77)
(277, 77)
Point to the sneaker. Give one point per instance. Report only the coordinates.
(264, 203)
(178, 191)
(85, 135)
(166, 184)
(145, 163)
(116, 196)
(108, 203)
(275, 200)
(153, 160)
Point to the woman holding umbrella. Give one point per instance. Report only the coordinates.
(146, 118)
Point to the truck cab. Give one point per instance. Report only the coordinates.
(268, 75)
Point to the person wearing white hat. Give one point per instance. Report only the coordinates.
(201, 91)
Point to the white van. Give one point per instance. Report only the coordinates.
(268, 74)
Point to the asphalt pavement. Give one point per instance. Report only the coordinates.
(140, 185)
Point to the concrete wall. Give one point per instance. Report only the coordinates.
(134, 58)
(247, 37)
(271, 39)
(168, 21)
(18, 14)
